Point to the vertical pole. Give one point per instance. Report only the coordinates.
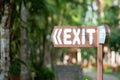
(99, 63)
(99, 59)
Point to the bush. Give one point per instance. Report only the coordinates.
(86, 78)
(15, 69)
(15, 66)
(44, 74)
(118, 68)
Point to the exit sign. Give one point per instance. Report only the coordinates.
(73, 36)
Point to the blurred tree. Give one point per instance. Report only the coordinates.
(6, 9)
(114, 41)
(24, 39)
(111, 16)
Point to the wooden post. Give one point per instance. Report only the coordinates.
(99, 58)
(99, 63)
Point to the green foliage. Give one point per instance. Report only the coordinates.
(36, 7)
(114, 41)
(15, 66)
(87, 52)
(118, 70)
(45, 74)
(108, 70)
(111, 16)
(86, 78)
(15, 41)
(36, 64)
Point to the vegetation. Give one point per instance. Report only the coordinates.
(26, 26)
(117, 75)
(15, 66)
(86, 78)
(44, 74)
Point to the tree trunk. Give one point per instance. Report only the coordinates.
(47, 56)
(24, 48)
(4, 35)
(100, 8)
(47, 60)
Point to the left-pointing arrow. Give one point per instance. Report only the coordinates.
(58, 36)
(54, 36)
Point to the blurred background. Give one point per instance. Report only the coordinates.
(26, 49)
